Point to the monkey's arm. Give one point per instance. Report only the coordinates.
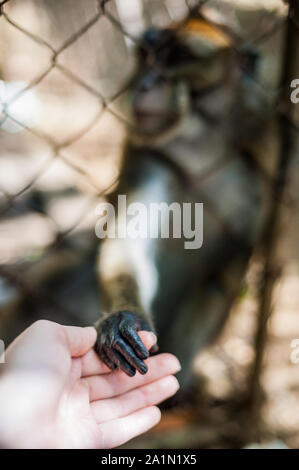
(118, 343)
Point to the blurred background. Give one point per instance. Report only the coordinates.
(64, 67)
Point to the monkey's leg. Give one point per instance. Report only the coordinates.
(128, 269)
(118, 343)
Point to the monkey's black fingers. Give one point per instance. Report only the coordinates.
(121, 362)
(130, 334)
(126, 350)
(104, 358)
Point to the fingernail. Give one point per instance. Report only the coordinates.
(179, 367)
(131, 372)
(176, 384)
(154, 337)
(143, 369)
(171, 384)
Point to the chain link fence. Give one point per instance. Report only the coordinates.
(64, 69)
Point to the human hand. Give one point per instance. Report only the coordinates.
(56, 393)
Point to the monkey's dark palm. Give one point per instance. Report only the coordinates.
(119, 345)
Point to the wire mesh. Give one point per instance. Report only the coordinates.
(105, 14)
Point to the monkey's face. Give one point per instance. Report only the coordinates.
(174, 65)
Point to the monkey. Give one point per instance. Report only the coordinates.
(194, 117)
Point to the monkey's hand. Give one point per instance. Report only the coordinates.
(119, 345)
